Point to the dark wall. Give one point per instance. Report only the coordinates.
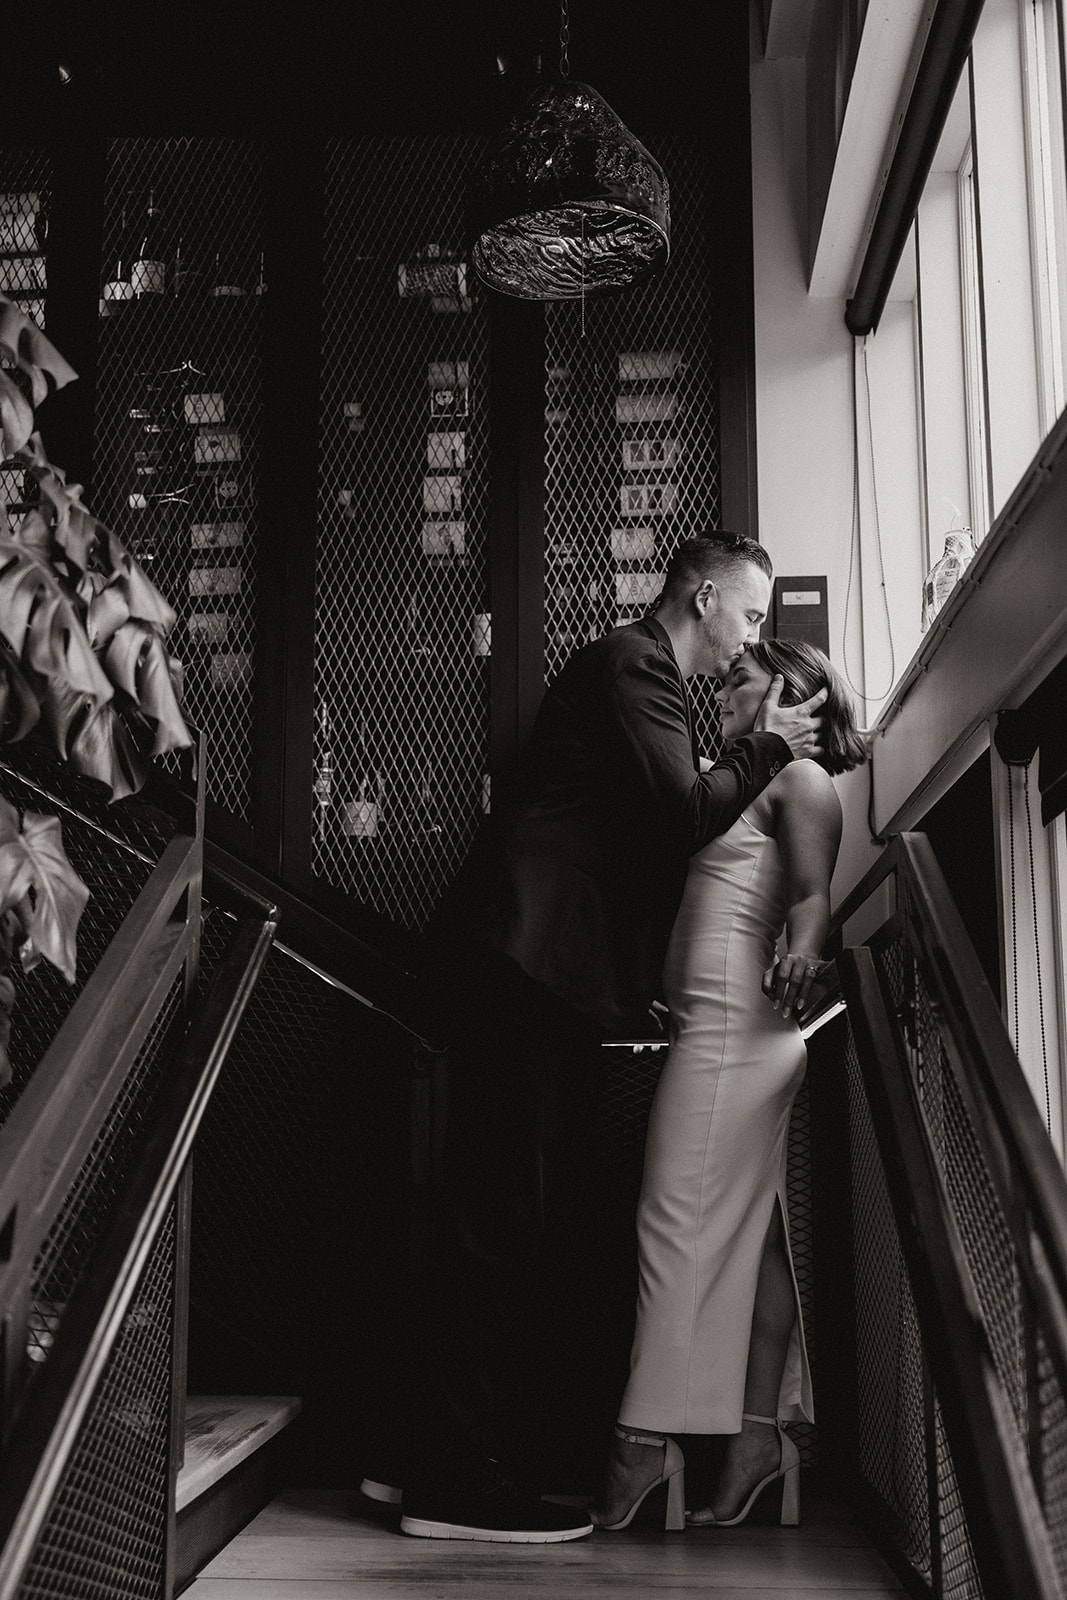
(960, 828)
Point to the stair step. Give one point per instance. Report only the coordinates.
(234, 1465)
(221, 1431)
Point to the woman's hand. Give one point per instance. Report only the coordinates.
(788, 983)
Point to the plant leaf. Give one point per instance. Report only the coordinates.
(42, 625)
(37, 861)
(103, 748)
(137, 662)
(16, 415)
(20, 708)
(22, 340)
(107, 612)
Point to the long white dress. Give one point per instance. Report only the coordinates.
(715, 1154)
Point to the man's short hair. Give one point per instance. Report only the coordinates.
(712, 555)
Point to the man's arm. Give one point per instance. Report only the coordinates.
(650, 711)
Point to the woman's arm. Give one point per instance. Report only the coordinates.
(807, 822)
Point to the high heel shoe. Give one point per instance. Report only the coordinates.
(788, 1471)
(672, 1474)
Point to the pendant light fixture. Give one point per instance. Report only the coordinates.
(568, 203)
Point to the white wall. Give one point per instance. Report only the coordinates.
(804, 429)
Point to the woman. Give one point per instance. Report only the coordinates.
(719, 1344)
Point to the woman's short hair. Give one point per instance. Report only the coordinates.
(806, 670)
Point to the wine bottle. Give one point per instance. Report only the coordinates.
(362, 812)
(148, 272)
(183, 274)
(224, 285)
(323, 786)
(427, 812)
(117, 285)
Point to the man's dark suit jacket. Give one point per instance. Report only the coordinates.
(578, 876)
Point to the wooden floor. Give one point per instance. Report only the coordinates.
(331, 1545)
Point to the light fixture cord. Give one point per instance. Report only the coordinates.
(564, 39)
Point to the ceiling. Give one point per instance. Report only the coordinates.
(398, 65)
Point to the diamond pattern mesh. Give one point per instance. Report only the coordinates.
(103, 1538)
(889, 1360)
(403, 644)
(893, 1425)
(67, 1252)
(976, 1208)
(1053, 1450)
(401, 655)
(177, 413)
(302, 1213)
(115, 865)
(93, 837)
(959, 1575)
(632, 446)
(25, 184)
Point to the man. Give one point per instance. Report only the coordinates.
(553, 936)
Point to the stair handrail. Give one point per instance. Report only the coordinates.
(1004, 1517)
(1010, 1113)
(46, 1428)
(56, 1119)
(1004, 1513)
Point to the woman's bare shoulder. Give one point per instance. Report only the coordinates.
(804, 782)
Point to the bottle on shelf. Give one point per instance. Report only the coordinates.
(946, 572)
(117, 286)
(148, 270)
(362, 811)
(183, 274)
(323, 786)
(261, 280)
(224, 285)
(427, 812)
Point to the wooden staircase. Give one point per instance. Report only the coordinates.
(235, 1460)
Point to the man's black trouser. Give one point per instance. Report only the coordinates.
(509, 1225)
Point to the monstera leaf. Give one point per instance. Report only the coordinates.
(102, 746)
(23, 345)
(39, 621)
(40, 886)
(16, 415)
(137, 662)
(19, 707)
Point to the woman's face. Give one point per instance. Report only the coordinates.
(741, 696)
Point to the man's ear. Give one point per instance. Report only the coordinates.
(704, 595)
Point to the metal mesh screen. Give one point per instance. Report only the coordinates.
(302, 1212)
(25, 192)
(632, 442)
(900, 1424)
(976, 1208)
(178, 409)
(67, 1252)
(889, 1360)
(402, 640)
(103, 1538)
(44, 998)
(959, 1575)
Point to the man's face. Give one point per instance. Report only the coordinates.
(733, 612)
